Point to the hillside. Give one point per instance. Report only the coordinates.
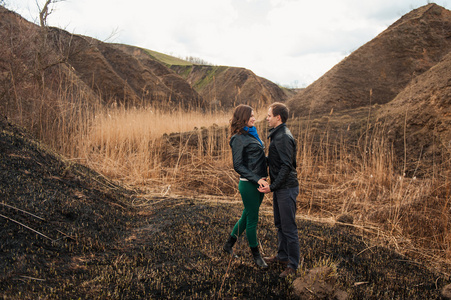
(228, 86)
(59, 60)
(400, 80)
(219, 86)
(68, 232)
(419, 119)
(120, 77)
(379, 70)
(116, 74)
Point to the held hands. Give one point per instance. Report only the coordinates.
(263, 186)
(262, 183)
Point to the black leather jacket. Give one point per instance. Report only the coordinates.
(249, 158)
(282, 159)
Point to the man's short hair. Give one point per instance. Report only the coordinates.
(280, 109)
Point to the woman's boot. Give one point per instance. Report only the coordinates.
(258, 259)
(228, 246)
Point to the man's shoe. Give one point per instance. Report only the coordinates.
(288, 272)
(275, 260)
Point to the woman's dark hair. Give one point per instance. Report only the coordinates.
(280, 109)
(241, 116)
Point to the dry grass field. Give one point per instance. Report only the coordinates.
(88, 237)
(343, 169)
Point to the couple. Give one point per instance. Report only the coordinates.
(250, 162)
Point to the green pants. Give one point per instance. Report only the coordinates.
(252, 199)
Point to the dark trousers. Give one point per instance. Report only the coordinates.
(284, 205)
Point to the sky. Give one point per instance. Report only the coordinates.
(290, 42)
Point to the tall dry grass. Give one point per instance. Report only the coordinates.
(127, 144)
(136, 147)
(139, 148)
(160, 149)
(363, 180)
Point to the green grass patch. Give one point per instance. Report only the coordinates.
(168, 59)
(209, 76)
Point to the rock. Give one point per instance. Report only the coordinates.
(446, 291)
(318, 283)
(344, 219)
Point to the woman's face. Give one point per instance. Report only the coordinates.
(251, 121)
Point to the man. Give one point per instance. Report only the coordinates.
(285, 188)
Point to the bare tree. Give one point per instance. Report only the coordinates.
(45, 56)
(32, 63)
(45, 11)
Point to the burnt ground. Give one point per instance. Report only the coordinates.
(68, 232)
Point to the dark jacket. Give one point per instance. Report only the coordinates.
(249, 158)
(282, 158)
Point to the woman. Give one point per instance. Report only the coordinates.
(249, 162)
